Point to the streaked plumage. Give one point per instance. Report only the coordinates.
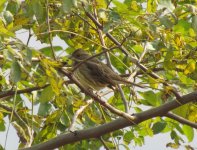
(94, 74)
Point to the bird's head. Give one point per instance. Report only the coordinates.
(79, 55)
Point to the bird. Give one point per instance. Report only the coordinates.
(94, 74)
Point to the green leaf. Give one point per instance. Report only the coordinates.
(68, 5)
(173, 134)
(8, 17)
(46, 95)
(151, 98)
(166, 22)
(13, 6)
(47, 51)
(1, 147)
(185, 79)
(168, 64)
(120, 6)
(39, 10)
(53, 117)
(128, 136)
(115, 60)
(2, 125)
(182, 27)
(138, 48)
(44, 109)
(28, 55)
(110, 145)
(151, 6)
(190, 67)
(65, 120)
(158, 127)
(15, 72)
(182, 110)
(2, 3)
(4, 32)
(188, 132)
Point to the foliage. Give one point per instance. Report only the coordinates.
(161, 33)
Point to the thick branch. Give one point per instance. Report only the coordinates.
(120, 123)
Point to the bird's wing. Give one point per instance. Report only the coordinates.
(115, 77)
(100, 72)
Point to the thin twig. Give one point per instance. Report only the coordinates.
(28, 90)
(123, 99)
(49, 29)
(181, 119)
(140, 59)
(11, 117)
(69, 32)
(84, 20)
(29, 37)
(109, 4)
(14, 113)
(78, 112)
(103, 142)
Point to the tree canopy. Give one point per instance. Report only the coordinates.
(149, 42)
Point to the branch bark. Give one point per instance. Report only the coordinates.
(117, 124)
(28, 90)
(181, 120)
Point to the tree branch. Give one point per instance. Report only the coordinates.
(28, 90)
(14, 113)
(117, 124)
(80, 110)
(181, 120)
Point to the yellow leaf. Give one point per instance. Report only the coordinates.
(193, 116)
(1, 116)
(54, 86)
(173, 145)
(153, 83)
(21, 20)
(134, 6)
(94, 116)
(190, 67)
(179, 40)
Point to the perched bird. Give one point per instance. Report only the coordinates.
(94, 74)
